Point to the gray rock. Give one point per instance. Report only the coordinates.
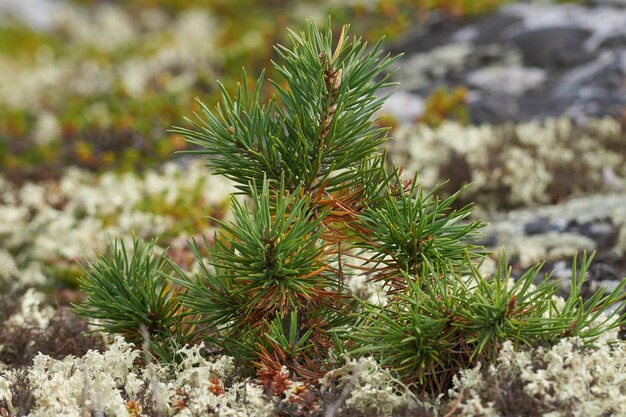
(543, 225)
(582, 74)
(496, 28)
(602, 22)
(493, 108)
(528, 61)
(554, 47)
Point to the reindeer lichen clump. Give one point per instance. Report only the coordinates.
(321, 208)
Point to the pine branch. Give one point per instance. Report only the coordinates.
(315, 127)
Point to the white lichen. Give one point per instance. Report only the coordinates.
(57, 223)
(31, 312)
(161, 42)
(517, 165)
(92, 382)
(371, 388)
(565, 380)
(5, 392)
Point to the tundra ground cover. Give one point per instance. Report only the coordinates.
(133, 386)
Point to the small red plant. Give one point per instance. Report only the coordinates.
(215, 386)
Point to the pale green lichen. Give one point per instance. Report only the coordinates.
(55, 223)
(564, 380)
(6, 397)
(105, 382)
(161, 42)
(528, 250)
(517, 165)
(92, 382)
(555, 381)
(371, 387)
(32, 311)
(618, 218)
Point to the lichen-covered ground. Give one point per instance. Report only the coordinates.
(88, 93)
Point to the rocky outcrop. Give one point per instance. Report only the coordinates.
(527, 61)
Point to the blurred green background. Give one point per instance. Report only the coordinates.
(96, 84)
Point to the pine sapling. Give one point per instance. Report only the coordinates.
(319, 207)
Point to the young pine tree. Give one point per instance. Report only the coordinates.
(320, 207)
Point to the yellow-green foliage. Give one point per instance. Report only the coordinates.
(445, 104)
